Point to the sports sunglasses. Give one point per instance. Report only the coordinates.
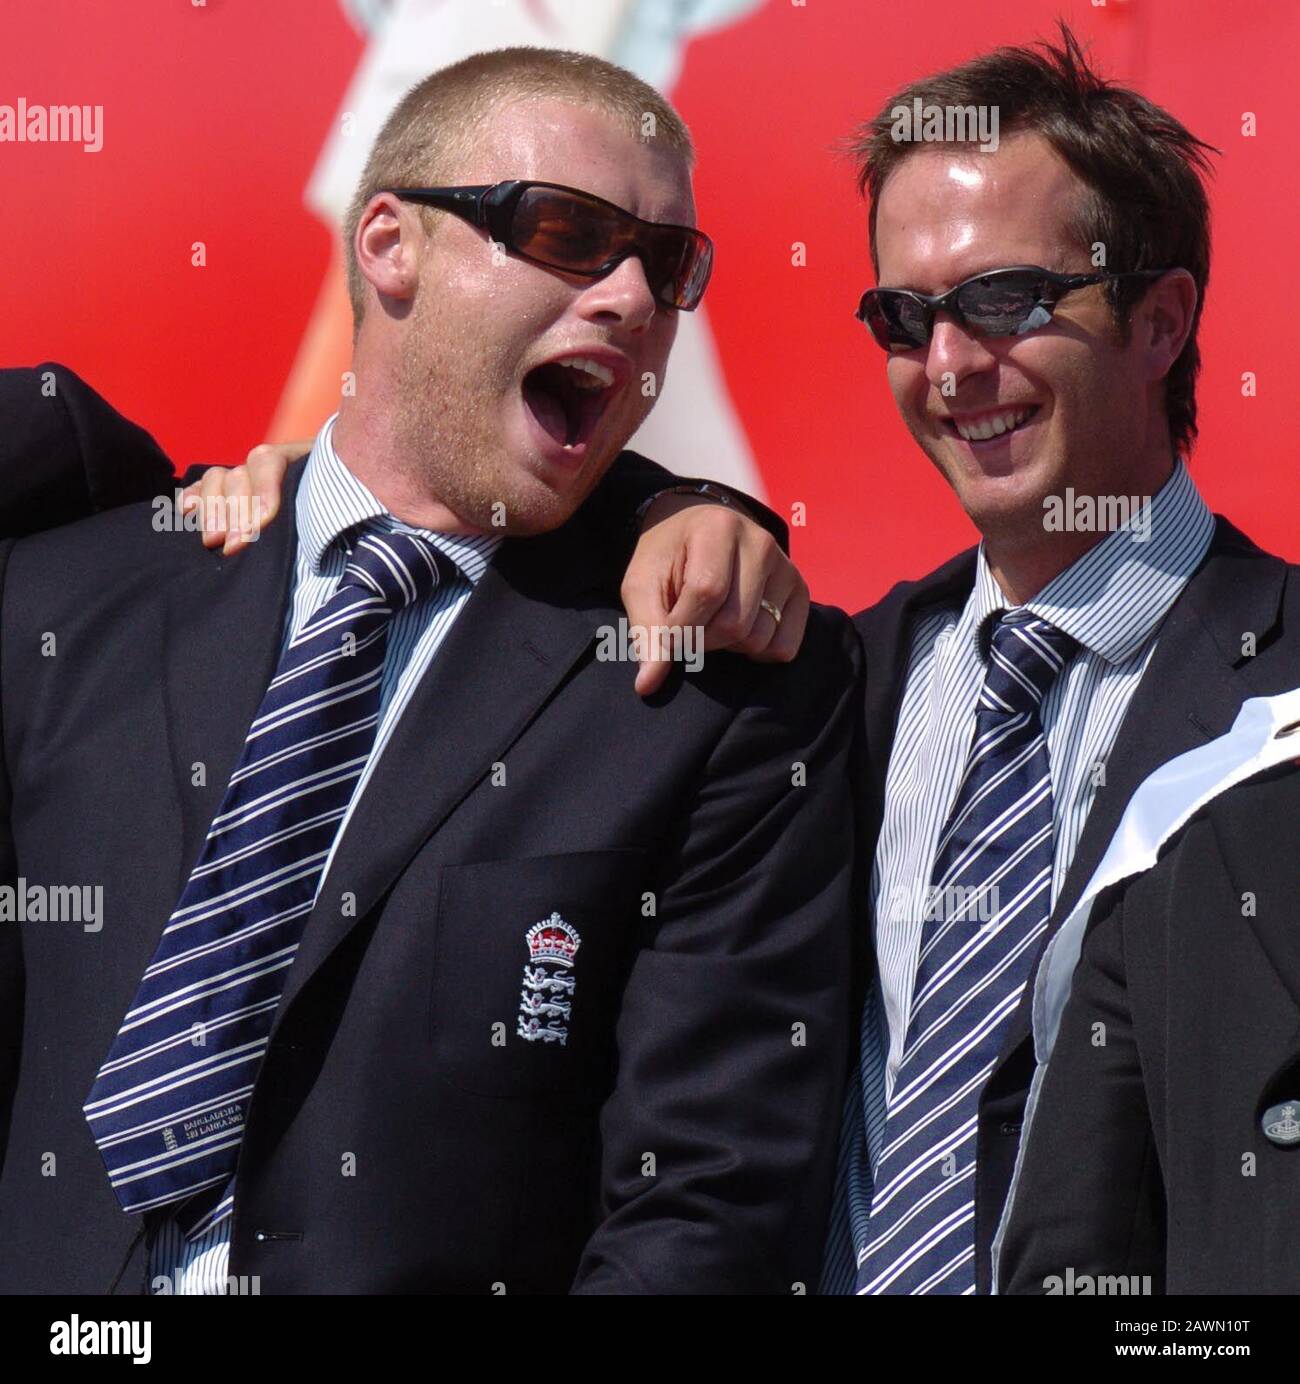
(1000, 302)
(570, 230)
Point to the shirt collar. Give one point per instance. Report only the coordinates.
(1112, 599)
(332, 502)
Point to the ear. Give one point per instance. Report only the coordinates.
(1166, 314)
(388, 243)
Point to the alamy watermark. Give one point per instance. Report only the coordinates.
(924, 123)
(236, 514)
(964, 903)
(624, 643)
(73, 1336)
(1071, 1284)
(1072, 513)
(26, 123)
(53, 903)
(241, 1285)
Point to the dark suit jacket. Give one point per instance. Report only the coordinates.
(66, 453)
(1191, 692)
(1147, 1155)
(683, 1139)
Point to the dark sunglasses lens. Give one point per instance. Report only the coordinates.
(677, 265)
(566, 231)
(1004, 304)
(897, 321)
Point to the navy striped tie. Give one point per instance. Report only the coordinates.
(987, 908)
(167, 1108)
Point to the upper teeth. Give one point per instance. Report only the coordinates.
(993, 425)
(592, 374)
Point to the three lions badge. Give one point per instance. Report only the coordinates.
(547, 998)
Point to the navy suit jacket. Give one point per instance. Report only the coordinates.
(1201, 672)
(402, 1138)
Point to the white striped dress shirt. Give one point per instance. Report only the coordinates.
(331, 501)
(1112, 600)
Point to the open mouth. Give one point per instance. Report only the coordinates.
(568, 398)
(990, 427)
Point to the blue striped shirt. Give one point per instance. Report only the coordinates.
(331, 501)
(1112, 600)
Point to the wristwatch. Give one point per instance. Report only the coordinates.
(716, 493)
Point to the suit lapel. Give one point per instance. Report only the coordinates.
(1257, 852)
(221, 643)
(1192, 689)
(887, 630)
(1187, 695)
(1191, 692)
(533, 614)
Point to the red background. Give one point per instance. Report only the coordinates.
(214, 118)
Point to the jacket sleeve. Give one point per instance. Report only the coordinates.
(1089, 1199)
(633, 479)
(12, 981)
(719, 1138)
(66, 453)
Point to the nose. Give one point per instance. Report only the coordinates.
(623, 295)
(955, 351)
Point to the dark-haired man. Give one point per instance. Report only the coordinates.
(431, 958)
(1038, 304)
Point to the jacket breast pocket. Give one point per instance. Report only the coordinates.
(530, 960)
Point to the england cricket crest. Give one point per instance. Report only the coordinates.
(547, 999)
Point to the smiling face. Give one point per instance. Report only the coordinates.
(1010, 420)
(516, 383)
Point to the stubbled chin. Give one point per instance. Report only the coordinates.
(1009, 502)
(546, 496)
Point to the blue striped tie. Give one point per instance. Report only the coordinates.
(167, 1108)
(988, 905)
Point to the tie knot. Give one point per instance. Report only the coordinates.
(399, 568)
(1026, 653)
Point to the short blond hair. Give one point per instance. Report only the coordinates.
(434, 125)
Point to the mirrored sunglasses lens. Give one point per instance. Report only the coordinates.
(1003, 305)
(870, 313)
(896, 321)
